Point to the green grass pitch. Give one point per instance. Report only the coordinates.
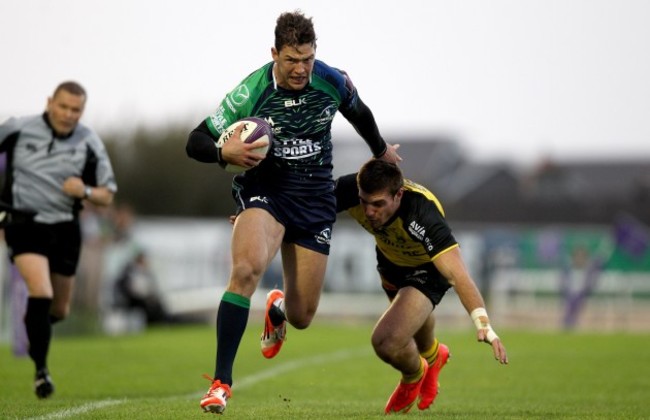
(329, 371)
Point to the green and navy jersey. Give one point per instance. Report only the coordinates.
(299, 160)
(415, 235)
(38, 162)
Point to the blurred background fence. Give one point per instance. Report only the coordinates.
(553, 277)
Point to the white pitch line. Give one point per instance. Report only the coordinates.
(293, 365)
(318, 359)
(70, 412)
(243, 383)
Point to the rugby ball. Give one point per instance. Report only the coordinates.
(254, 129)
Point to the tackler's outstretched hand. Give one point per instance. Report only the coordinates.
(485, 333)
(498, 348)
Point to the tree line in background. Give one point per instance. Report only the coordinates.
(157, 178)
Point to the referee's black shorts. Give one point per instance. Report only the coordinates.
(426, 278)
(59, 242)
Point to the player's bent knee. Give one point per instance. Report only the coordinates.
(300, 321)
(244, 279)
(386, 346)
(247, 272)
(381, 346)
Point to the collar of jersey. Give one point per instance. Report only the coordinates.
(54, 133)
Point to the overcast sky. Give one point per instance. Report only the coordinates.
(513, 80)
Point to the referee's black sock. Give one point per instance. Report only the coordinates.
(39, 329)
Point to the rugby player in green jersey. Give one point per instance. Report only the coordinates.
(418, 260)
(285, 200)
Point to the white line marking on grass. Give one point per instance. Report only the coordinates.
(318, 359)
(70, 412)
(297, 364)
(245, 382)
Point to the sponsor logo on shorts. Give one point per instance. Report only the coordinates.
(418, 276)
(324, 237)
(258, 198)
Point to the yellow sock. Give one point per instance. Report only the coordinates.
(414, 377)
(432, 354)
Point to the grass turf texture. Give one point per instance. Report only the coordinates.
(329, 371)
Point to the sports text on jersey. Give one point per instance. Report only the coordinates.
(296, 148)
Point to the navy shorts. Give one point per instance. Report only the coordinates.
(59, 242)
(308, 220)
(426, 278)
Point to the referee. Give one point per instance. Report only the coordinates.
(53, 165)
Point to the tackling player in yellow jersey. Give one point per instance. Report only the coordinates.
(418, 260)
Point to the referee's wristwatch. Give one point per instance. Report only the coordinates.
(88, 190)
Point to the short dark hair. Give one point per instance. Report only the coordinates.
(293, 29)
(378, 175)
(71, 87)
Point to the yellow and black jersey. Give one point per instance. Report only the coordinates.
(415, 235)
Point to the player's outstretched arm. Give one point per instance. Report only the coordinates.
(486, 334)
(391, 154)
(451, 265)
(364, 123)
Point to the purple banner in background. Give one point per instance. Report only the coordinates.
(631, 236)
(18, 297)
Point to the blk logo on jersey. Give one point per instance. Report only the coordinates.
(295, 102)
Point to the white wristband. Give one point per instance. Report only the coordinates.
(483, 324)
(476, 317)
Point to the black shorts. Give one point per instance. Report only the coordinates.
(59, 242)
(308, 221)
(426, 278)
